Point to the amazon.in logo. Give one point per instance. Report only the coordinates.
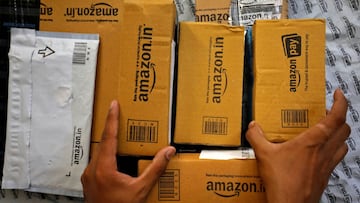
(145, 76)
(77, 151)
(218, 78)
(97, 10)
(233, 189)
(292, 49)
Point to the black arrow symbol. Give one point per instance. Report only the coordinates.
(46, 52)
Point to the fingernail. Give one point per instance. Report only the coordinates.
(113, 103)
(339, 90)
(251, 124)
(170, 153)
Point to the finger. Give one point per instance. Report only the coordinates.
(340, 136)
(339, 155)
(337, 139)
(337, 115)
(108, 145)
(256, 137)
(153, 172)
(334, 123)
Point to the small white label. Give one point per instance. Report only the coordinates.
(240, 153)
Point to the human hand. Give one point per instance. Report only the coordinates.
(298, 170)
(101, 180)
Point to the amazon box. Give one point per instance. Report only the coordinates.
(145, 76)
(289, 75)
(209, 87)
(135, 64)
(213, 181)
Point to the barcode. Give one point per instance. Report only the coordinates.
(79, 54)
(215, 125)
(142, 131)
(294, 118)
(169, 185)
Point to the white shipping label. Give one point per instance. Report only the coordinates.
(240, 153)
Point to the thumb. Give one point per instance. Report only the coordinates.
(256, 137)
(153, 172)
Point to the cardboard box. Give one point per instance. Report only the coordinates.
(134, 66)
(209, 86)
(289, 75)
(145, 84)
(213, 181)
(212, 11)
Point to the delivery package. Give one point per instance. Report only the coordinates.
(212, 11)
(145, 76)
(289, 76)
(213, 181)
(135, 64)
(209, 84)
(50, 103)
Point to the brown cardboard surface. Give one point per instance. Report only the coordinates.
(189, 179)
(284, 9)
(209, 89)
(212, 11)
(129, 31)
(289, 76)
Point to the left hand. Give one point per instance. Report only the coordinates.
(102, 182)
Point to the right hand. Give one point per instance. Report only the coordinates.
(298, 170)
